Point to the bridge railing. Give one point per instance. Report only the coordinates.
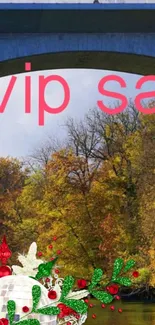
(78, 1)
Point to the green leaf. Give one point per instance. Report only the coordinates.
(67, 286)
(11, 308)
(78, 305)
(129, 265)
(36, 294)
(45, 269)
(97, 276)
(124, 281)
(29, 322)
(103, 296)
(48, 311)
(118, 264)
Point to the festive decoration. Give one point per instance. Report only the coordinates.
(113, 289)
(30, 262)
(82, 283)
(5, 271)
(5, 252)
(54, 301)
(135, 274)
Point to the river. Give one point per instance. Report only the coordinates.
(132, 314)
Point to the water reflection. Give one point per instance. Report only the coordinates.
(133, 314)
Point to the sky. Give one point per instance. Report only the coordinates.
(20, 133)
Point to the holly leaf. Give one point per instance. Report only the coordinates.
(103, 296)
(11, 308)
(78, 305)
(36, 294)
(97, 276)
(29, 322)
(129, 265)
(44, 269)
(118, 264)
(48, 311)
(124, 281)
(67, 286)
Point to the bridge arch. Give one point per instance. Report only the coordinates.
(112, 37)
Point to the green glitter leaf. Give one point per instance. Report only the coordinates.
(48, 311)
(67, 286)
(11, 308)
(97, 276)
(124, 281)
(44, 269)
(78, 305)
(129, 265)
(29, 322)
(36, 294)
(118, 264)
(103, 296)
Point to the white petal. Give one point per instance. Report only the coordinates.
(78, 294)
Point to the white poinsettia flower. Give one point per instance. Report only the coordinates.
(29, 262)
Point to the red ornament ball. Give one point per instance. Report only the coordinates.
(47, 280)
(57, 271)
(55, 238)
(4, 321)
(103, 306)
(135, 274)
(52, 259)
(86, 301)
(112, 308)
(50, 246)
(120, 310)
(113, 289)
(66, 311)
(5, 271)
(91, 305)
(39, 254)
(52, 294)
(93, 316)
(69, 323)
(25, 309)
(117, 297)
(82, 283)
(59, 252)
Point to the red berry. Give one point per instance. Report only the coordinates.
(4, 321)
(135, 274)
(94, 316)
(117, 297)
(52, 294)
(50, 246)
(40, 254)
(120, 310)
(57, 271)
(103, 305)
(113, 289)
(81, 283)
(55, 238)
(52, 259)
(47, 280)
(91, 305)
(25, 309)
(59, 252)
(112, 308)
(69, 323)
(86, 301)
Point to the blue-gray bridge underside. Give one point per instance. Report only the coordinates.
(130, 51)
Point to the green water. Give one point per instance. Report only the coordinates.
(133, 314)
